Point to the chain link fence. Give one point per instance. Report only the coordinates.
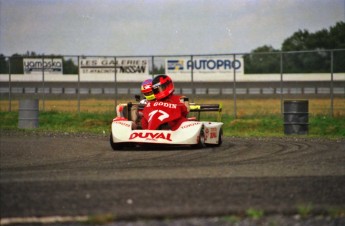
(246, 83)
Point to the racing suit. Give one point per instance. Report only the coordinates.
(175, 124)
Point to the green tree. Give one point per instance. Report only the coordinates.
(156, 70)
(263, 59)
(16, 64)
(3, 64)
(297, 42)
(319, 61)
(69, 67)
(337, 41)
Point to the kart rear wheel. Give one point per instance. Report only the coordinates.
(220, 140)
(115, 146)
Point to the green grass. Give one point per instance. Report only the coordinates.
(63, 122)
(304, 210)
(248, 126)
(254, 213)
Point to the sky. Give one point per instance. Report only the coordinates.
(158, 27)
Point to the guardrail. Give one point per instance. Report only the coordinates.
(184, 91)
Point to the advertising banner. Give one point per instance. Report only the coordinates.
(36, 65)
(205, 69)
(107, 65)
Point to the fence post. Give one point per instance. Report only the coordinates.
(332, 94)
(281, 83)
(115, 81)
(9, 86)
(234, 86)
(43, 85)
(192, 78)
(153, 65)
(78, 95)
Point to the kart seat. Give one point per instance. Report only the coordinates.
(122, 110)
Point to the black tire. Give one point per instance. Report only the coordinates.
(200, 143)
(220, 140)
(115, 146)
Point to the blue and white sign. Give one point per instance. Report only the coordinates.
(202, 65)
(204, 69)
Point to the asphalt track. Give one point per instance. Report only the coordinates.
(68, 175)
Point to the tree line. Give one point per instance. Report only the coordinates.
(302, 52)
(266, 59)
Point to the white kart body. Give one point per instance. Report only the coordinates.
(187, 134)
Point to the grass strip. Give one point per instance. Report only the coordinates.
(248, 126)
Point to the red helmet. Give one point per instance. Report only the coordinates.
(146, 89)
(162, 86)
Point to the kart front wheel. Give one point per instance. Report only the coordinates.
(200, 143)
(115, 146)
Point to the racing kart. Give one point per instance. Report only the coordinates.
(192, 132)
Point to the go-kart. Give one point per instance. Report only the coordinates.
(192, 132)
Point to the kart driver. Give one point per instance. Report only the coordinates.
(163, 90)
(146, 90)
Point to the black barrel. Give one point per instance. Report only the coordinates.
(296, 116)
(28, 114)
